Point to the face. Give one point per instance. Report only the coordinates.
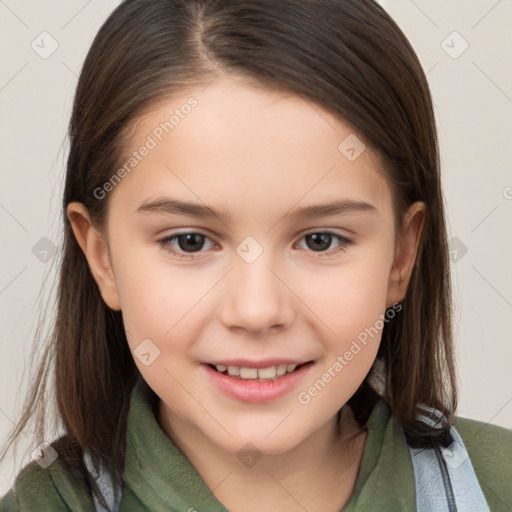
(243, 279)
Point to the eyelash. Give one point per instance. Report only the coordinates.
(164, 243)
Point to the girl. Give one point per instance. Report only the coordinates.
(254, 300)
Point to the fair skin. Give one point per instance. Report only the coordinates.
(259, 154)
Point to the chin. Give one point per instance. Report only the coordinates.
(259, 441)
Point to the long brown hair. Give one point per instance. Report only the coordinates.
(348, 56)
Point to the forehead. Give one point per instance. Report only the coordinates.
(236, 146)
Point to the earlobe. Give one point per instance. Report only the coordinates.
(406, 253)
(95, 249)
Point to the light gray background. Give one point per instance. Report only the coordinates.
(473, 99)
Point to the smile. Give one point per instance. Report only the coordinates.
(256, 385)
(262, 374)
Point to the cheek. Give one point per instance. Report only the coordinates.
(157, 301)
(351, 296)
(354, 315)
(350, 300)
(154, 295)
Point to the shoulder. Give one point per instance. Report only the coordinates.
(490, 450)
(52, 487)
(32, 490)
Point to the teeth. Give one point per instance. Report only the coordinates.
(248, 373)
(281, 369)
(267, 373)
(233, 370)
(257, 373)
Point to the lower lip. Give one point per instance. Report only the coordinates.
(254, 391)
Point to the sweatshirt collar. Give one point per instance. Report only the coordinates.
(156, 471)
(159, 475)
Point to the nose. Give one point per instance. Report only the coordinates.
(257, 298)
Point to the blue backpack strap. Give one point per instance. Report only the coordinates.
(444, 476)
(105, 484)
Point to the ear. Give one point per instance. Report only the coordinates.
(95, 248)
(405, 253)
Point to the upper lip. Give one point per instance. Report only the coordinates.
(264, 363)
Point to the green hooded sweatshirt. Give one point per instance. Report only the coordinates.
(158, 477)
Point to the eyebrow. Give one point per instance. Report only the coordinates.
(201, 211)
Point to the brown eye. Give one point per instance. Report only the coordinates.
(320, 242)
(190, 242)
(187, 244)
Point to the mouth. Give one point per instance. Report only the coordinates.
(250, 373)
(256, 382)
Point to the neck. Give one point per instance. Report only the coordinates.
(325, 465)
